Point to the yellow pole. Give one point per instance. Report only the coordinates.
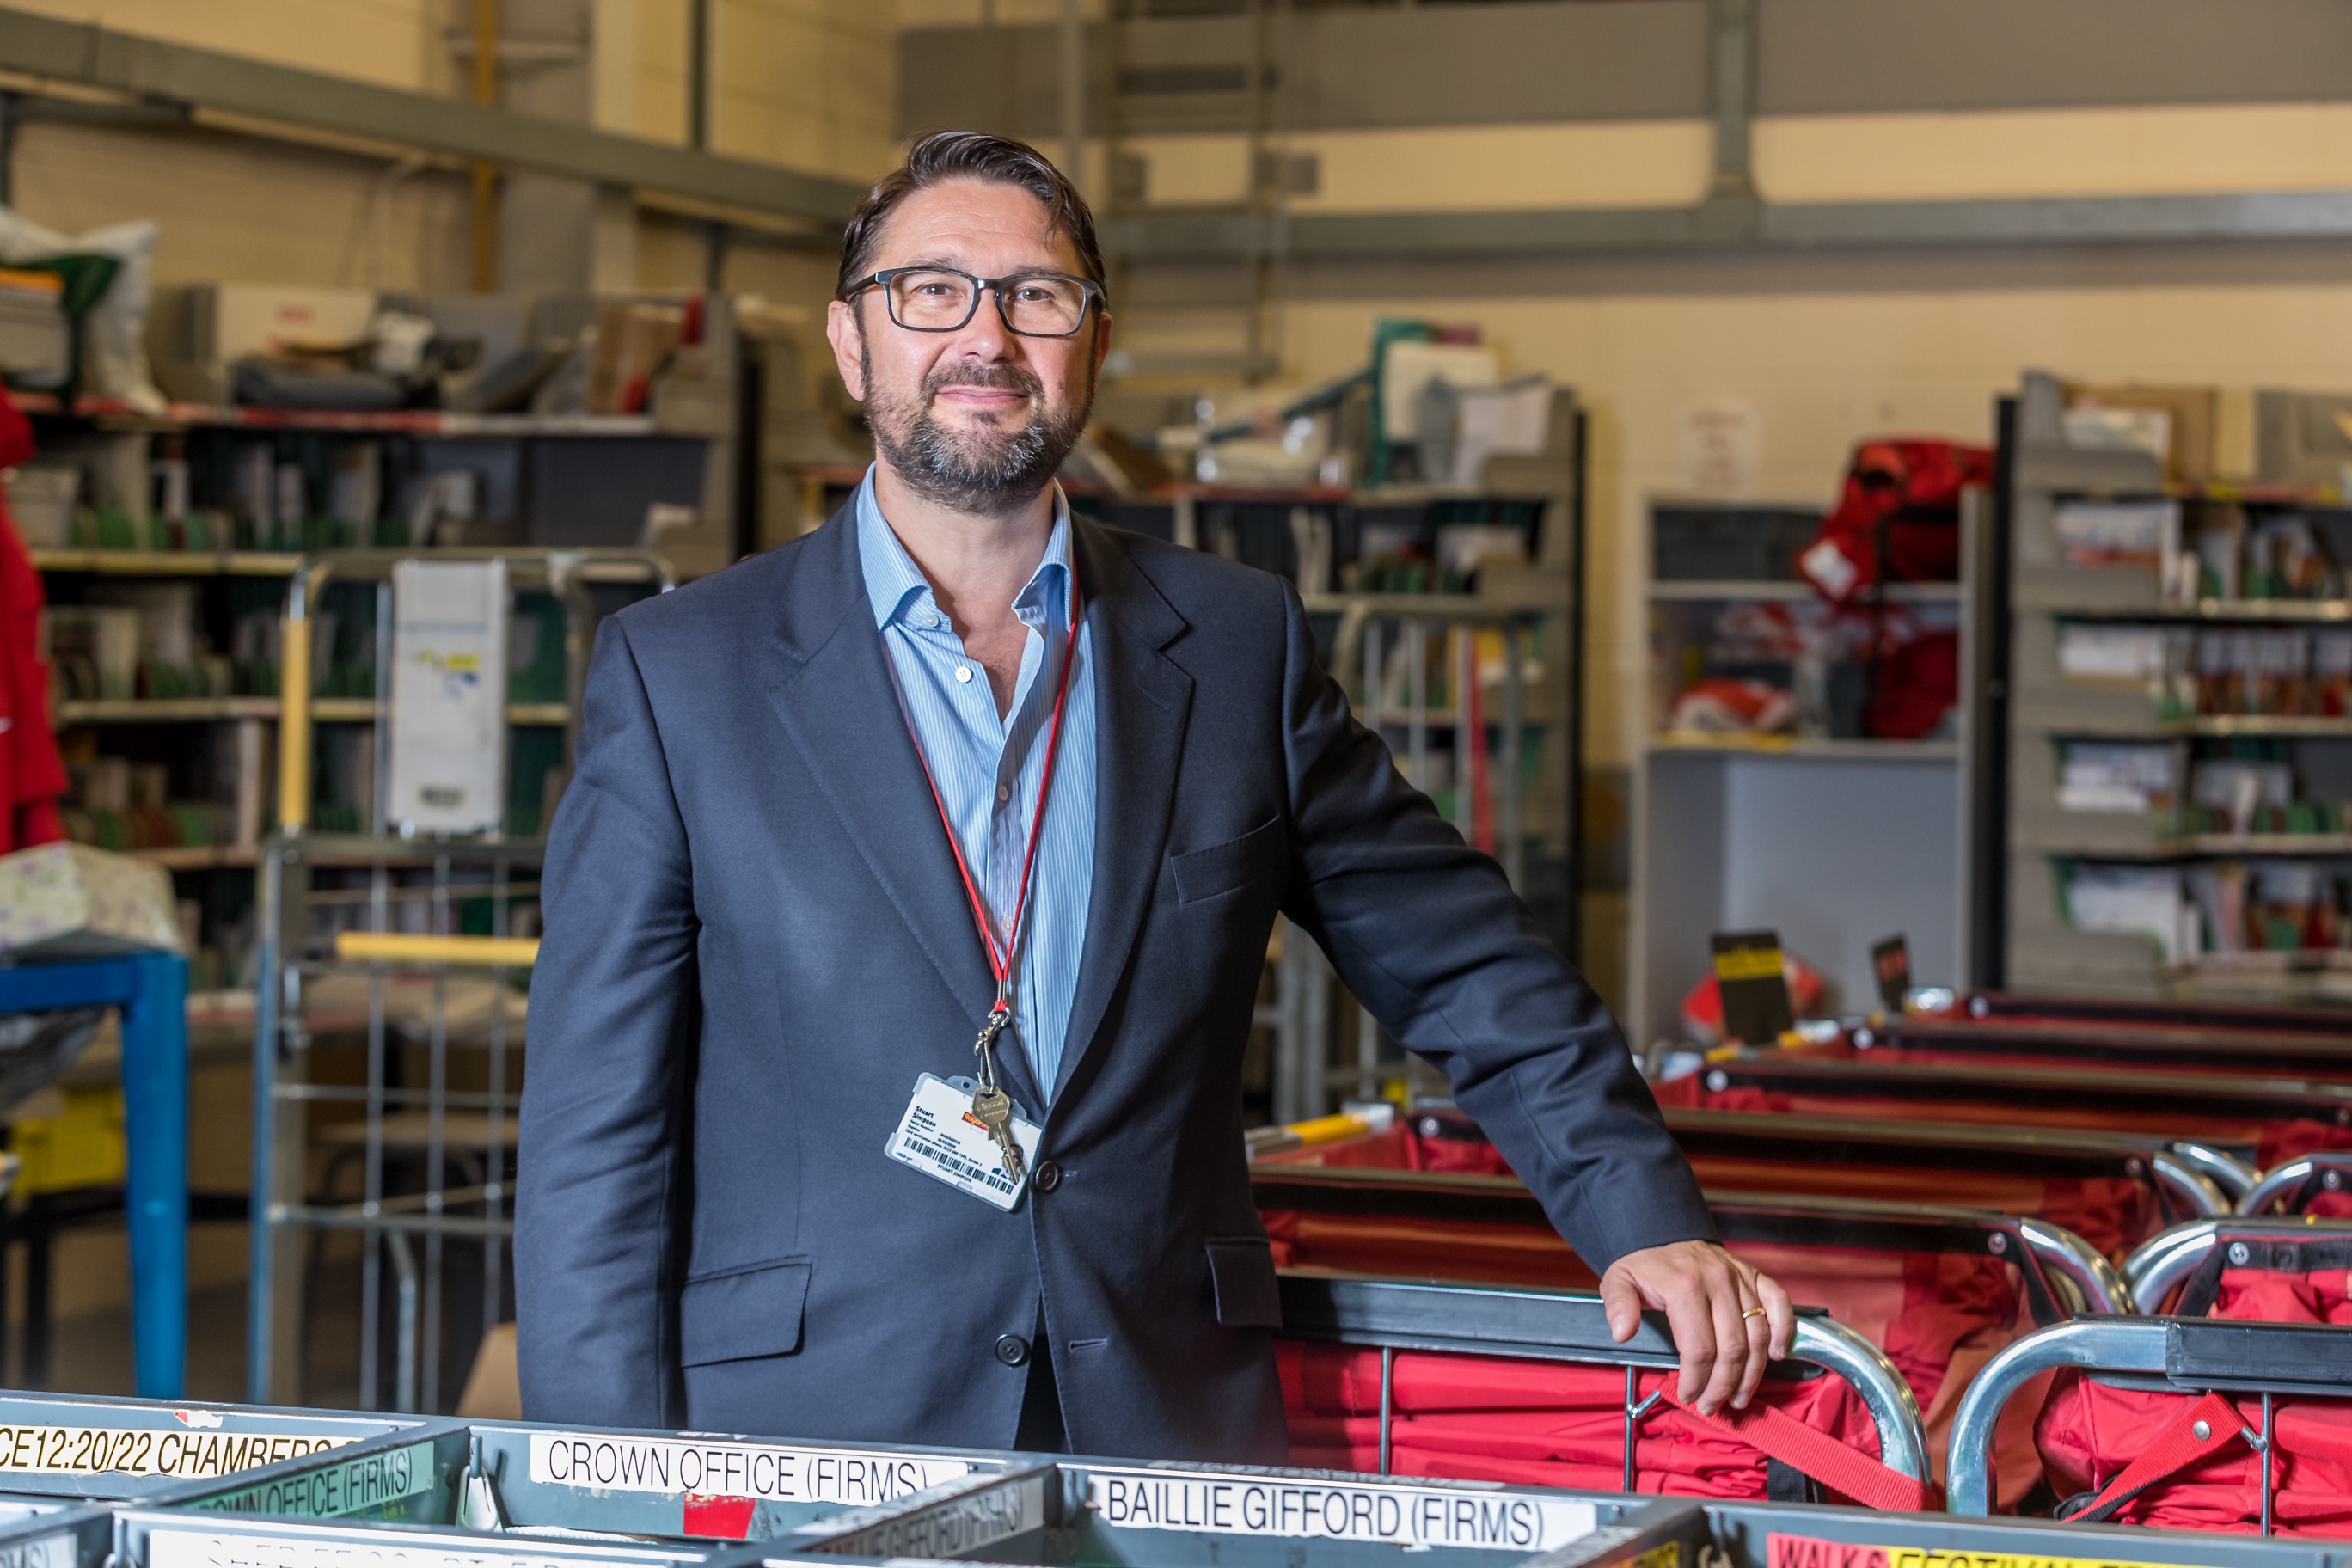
(360, 946)
(294, 726)
(485, 178)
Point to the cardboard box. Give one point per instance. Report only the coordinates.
(196, 332)
(2191, 411)
(70, 901)
(634, 337)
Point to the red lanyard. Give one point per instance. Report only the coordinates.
(1000, 959)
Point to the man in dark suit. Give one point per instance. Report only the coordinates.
(957, 765)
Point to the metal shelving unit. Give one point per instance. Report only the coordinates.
(391, 957)
(2043, 845)
(1743, 831)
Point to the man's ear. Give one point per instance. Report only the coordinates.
(848, 336)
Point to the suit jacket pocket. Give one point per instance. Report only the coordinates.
(1221, 867)
(1241, 1270)
(738, 1313)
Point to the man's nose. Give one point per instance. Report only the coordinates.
(984, 337)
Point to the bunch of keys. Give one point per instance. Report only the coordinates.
(990, 1103)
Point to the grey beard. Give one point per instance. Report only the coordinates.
(987, 471)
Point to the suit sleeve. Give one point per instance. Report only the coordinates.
(602, 1166)
(1428, 934)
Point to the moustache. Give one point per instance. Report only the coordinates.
(994, 377)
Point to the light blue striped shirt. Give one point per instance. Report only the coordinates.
(988, 768)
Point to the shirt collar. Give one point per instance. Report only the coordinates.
(894, 583)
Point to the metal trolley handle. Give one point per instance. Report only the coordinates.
(2327, 1170)
(2191, 1354)
(1568, 1326)
(2164, 1260)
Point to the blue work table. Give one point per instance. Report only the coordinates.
(152, 991)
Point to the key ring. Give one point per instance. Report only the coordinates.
(984, 1046)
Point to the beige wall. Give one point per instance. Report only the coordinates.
(808, 83)
(1827, 350)
(1822, 368)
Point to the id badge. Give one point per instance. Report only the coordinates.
(940, 1136)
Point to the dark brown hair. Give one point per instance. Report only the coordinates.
(969, 156)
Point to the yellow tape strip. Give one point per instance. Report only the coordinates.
(1748, 963)
(1810, 1552)
(1328, 1129)
(360, 946)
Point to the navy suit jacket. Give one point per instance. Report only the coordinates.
(755, 940)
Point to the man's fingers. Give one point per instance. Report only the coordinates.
(1691, 1318)
(1756, 1322)
(1621, 1303)
(1722, 1286)
(1779, 1312)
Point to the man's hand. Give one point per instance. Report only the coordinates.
(1709, 1299)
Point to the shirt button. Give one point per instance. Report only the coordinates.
(1004, 794)
(963, 674)
(1048, 1176)
(929, 620)
(1011, 1349)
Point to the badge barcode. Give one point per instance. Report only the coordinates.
(966, 1169)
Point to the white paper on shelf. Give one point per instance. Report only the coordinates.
(2146, 900)
(448, 696)
(1511, 419)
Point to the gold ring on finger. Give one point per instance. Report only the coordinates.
(1752, 1312)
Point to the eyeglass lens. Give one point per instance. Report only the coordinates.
(1043, 306)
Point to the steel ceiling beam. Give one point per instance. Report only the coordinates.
(1735, 224)
(147, 70)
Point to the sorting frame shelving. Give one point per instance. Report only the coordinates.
(2044, 845)
(1734, 831)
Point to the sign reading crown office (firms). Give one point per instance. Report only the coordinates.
(369, 1480)
(771, 1472)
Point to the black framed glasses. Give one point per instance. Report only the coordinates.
(943, 300)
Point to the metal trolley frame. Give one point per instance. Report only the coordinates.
(1370, 627)
(1536, 1324)
(2185, 1355)
(2043, 1254)
(2169, 1258)
(292, 959)
(2184, 1176)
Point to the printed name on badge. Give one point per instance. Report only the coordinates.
(939, 1137)
(1415, 1517)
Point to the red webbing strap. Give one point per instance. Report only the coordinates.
(2174, 1452)
(1843, 1470)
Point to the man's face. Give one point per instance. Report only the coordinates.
(980, 418)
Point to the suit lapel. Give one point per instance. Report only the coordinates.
(839, 707)
(1142, 702)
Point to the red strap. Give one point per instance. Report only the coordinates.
(2178, 1448)
(1840, 1467)
(1002, 959)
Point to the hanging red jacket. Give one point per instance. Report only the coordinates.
(32, 776)
(1899, 517)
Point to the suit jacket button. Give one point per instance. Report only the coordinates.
(1011, 1349)
(1049, 1175)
